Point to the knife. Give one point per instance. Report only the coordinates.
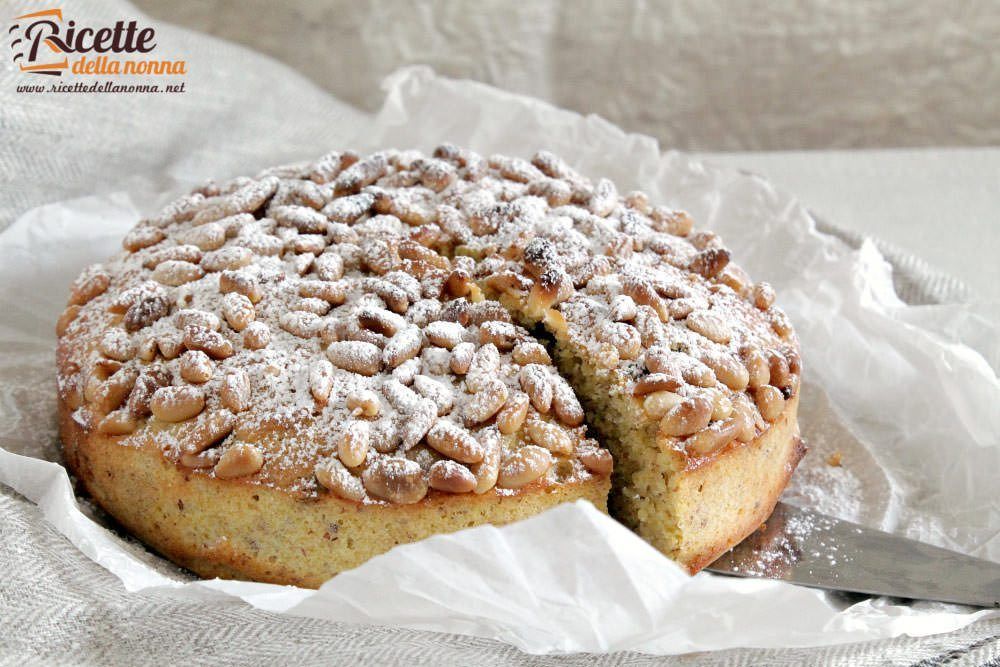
(816, 550)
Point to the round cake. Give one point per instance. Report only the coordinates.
(282, 376)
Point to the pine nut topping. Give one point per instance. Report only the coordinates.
(196, 367)
(352, 448)
(549, 436)
(239, 460)
(687, 417)
(396, 480)
(333, 476)
(176, 404)
(524, 466)
(238, 311)
(451, 477)
(455, 442)
(536, 384)
(485, 403)
(355, 356)
(235, 391)
(770, 402)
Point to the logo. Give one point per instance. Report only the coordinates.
(45, 43)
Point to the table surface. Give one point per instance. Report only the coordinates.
(940, 204)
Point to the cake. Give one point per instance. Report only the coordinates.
(280, 377)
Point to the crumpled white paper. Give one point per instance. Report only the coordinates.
(908, 395)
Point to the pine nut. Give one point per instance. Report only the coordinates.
(142, 237)
(655, 382)
(239, 460)
(710, 262)
(170, 345)
(142, 392)
(404, 346)
(353, 444)
(770, 402)
(176, 404)
(709, 325)
(604, 199)
(227, 259)
(565, 404)
(445, 334)
(113, 392)
(722, 406)
(334, 293)
(238, 311)
(780, 322)
(364, 403)
(743, 413)
(758, 369)
(536, 384)
(89, 285)
(727, 369)
(659, 403)
(175, 272)
(484, 367)
(434, 391)
(677, 223)
(118, 422)
(321, 380)
(381, 321)
(780, 374)
(529, 352)
(687, 417)
(396, 480)
(417, 424)
(597, 461)
(210, 342)
(206, 459)
(240, 283)
(455, 442)
(191, 317)
(624, 337)
(116, 344)
(196, 367)
(524, 466)
(623, 308)
(549, 436)
(501, 334)
(451, 477)
(355, 356)
(488, 469)
(461, 358)
(300, 323)
(485, 403)
(333, 476)
(711, 439)
(179, 253)
(210, 429)
(512, 415)
(638, 200)
(65, 319)
(256, 336)
(235, 391)
(763, 295)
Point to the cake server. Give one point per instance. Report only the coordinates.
(813, 549)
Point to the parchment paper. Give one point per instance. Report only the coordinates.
(907, 394)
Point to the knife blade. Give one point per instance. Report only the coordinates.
(812, 549)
